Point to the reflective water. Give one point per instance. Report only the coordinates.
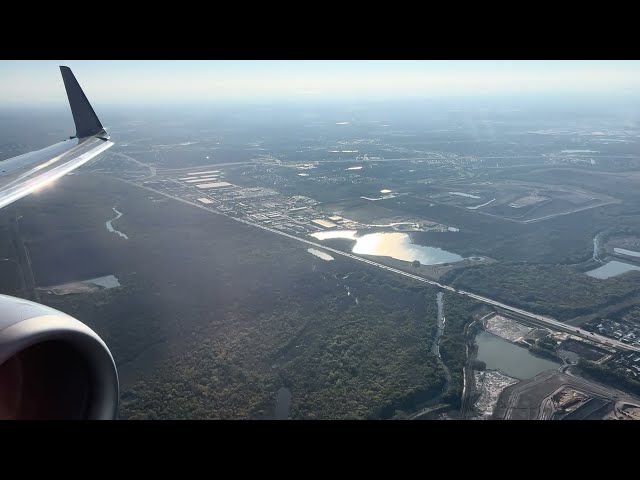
(393, 244)
(624, 251)
(110, 281)
(320, 254)
(110, 226)
(509, 358)
(611, 269)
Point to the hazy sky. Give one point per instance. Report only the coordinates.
(146, 81)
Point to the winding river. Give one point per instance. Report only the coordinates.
(441, 322)
(109, 225)
(596, 246)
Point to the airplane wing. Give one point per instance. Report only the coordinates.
(53, 366)
(24, 174)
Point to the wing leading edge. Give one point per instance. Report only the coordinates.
(22, 175)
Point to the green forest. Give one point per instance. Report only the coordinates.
(561, 291)
(198, 332)
(458, 312)
(609, 374)
(341, 359)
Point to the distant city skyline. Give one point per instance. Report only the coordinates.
(38, 82)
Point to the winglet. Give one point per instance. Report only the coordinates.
(86, 120)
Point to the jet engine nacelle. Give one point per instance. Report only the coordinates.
(53, 366)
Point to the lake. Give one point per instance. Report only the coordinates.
(393, 244)
(509, 358)
(320, 254)
(110, 281)
(611, 269)
(624, 251)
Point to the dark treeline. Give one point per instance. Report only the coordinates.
(458, 312)
(557, 290)
(610, 375)
(340, 358)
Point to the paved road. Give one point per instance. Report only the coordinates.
(545, 409)
(540, 319)
(151, 167)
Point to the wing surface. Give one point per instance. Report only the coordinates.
(24, 174)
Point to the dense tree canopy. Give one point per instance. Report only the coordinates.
(561, 291)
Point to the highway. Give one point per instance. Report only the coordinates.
(547, 321)
(532, 317)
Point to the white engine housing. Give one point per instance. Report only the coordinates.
(53, 366)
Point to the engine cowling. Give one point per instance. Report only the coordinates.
(53, 366)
